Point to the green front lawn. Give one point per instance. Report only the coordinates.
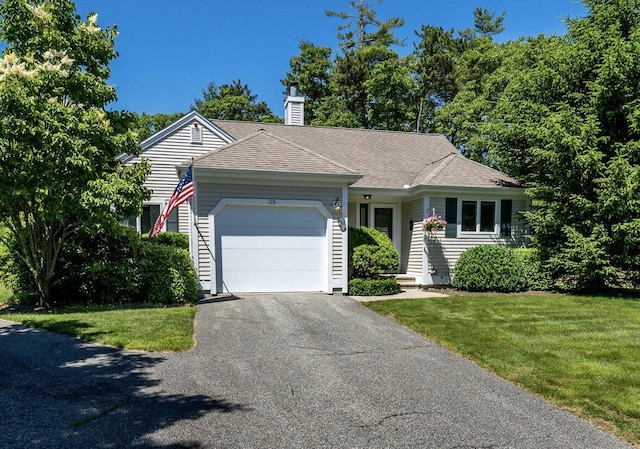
(579, 352)
(147, 329)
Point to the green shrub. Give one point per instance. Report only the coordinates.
(174, 239)
(490, 268)
(15, 274)
(98, 266)
(110, 265)
(167, 275)
(371, 253)
(537, 277)
(372, 287)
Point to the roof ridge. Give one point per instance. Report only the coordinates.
(442, 164)
(307, 150)
(342, 128)
(229, 145)
(486, 167)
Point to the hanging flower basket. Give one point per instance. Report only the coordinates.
(432, 225)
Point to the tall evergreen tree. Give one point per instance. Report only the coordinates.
(312, 70)
(487, 23)
(363, 27)
(435, 55)
(567, 123)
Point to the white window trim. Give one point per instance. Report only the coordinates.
(139, 217)
(477, 232)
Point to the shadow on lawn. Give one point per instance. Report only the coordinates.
(60, 392)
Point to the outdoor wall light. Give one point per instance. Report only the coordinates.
(337, 208)
(367, 196)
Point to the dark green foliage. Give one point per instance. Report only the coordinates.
(233, 102)
(490, 268)
(567, 123)
(99, 267)
(167, 275)
(175, 239)
(372, 287)
(15, 274)
(371, 253)
(113, 266)
(538, 277)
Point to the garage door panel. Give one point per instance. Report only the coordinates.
(269, 216)
(269, 281)
(262, 242)
(270, 259)
(271, 249)
(264, 231)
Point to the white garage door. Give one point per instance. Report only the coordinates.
(271, 249)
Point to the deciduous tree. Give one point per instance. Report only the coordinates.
(58, 145)
(233, 102)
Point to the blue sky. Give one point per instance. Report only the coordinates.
(170, 50)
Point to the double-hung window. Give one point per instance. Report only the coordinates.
(478, 216)
(469, 217)
(145, 221)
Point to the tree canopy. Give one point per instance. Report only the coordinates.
(233, 102)
(565, 121)
(58, 145)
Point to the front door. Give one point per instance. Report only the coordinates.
(383, 220)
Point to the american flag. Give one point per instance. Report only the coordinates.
(183, 191)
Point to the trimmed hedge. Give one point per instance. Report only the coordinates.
(371, 253)
(167, 275)
(175, 239)
(491, 268)
(372, 287)
(98, 267)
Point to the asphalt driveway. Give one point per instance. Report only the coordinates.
(270, 371)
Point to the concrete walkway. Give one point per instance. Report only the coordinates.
(271, 371)
(403, 294)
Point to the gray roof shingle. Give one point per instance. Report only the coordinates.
(264, 151)
(386, 159)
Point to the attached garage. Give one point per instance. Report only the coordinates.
(271, 246)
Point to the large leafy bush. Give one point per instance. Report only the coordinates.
(167, 274)
(113, 266)
(99, 266)
(491, 268)
(371, 253)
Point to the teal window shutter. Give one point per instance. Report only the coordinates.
(451, 216)
(506, 210)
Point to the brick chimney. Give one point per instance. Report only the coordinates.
(294, 107)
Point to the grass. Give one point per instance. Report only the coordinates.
(581, 353)
(147, 329)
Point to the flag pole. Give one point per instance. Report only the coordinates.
(193, 239)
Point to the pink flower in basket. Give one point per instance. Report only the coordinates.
(433, 224)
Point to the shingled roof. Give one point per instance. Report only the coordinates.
(264, 151)
(386, 159)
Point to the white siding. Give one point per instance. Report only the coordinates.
(165, 155)
(445, 252)
(411, 256)
(210, 194)
(336, 261)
